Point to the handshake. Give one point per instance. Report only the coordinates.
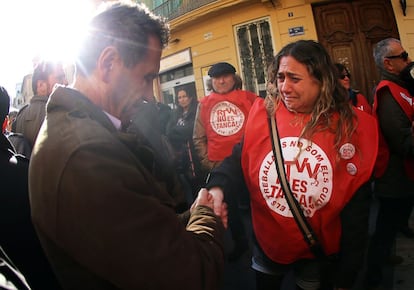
(213, 199)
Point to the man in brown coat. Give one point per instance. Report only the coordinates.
(29, 119)
(103, 218)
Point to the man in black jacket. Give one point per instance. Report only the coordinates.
(394, 185)
(18, 237)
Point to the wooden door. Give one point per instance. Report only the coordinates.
(349, 30)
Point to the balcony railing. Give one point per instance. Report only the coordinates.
(172, 9)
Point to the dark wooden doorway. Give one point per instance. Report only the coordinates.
(349, 30)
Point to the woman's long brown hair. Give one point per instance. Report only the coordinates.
(333, 97)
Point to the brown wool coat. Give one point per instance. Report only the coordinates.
(103, 219)
(30, 118)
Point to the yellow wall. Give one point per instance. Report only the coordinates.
(212, 38)
(405, 25)
(292, 17)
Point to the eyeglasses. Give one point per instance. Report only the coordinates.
(403, 56)
(344, 76)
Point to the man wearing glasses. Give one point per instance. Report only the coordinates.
(394, 184)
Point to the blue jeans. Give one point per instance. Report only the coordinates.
(270, 275)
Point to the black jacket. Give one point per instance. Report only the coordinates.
(398, 134)
(18, 237)
(180, 134)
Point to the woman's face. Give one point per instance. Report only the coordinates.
(183, 100)
(299, 89)
(345, 80)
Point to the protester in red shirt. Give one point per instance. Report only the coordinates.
(329, 150)
(357, 99)
(220, 122)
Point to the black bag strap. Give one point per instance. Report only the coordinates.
(294, 206)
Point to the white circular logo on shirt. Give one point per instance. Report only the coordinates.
(226, 118)
(309, 175)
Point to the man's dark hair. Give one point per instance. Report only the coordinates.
(4, 104)
(42, 71)
(125, 26)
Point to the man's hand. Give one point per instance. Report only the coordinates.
(203, 198)
(218, 197)
(213, 201)
(219, 207)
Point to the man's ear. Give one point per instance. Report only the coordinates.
(106, 62)
(388, 65)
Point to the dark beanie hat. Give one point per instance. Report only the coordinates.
(221, 68)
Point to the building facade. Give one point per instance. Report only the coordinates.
(247, 33)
